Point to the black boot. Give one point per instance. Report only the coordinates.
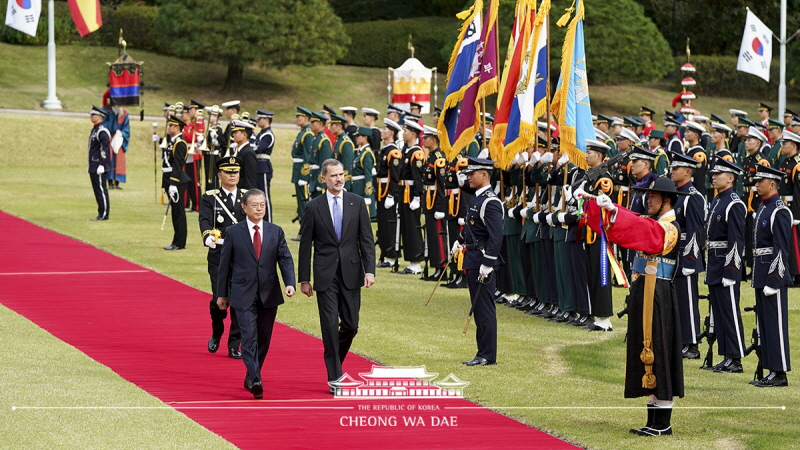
(661, 423)
(651, 411)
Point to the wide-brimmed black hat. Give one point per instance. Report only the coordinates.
(663, 185)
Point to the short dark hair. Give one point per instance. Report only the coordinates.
(252, 193)
(323, 170)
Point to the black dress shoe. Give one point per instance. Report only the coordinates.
(213, 344)
(257, 389)
(332, 390)
(382, 265)
(234, 353)
(773, 380)
(248, 384)
(596, 327)
(98, 218)
(479, 361)
(691, 352)
(732, 366)
(409, 271)
(173, 247)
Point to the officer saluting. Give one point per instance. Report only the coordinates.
(480, 240)
(219, 209)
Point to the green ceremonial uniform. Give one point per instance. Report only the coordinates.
(301, 167)
(474, 148)
(361, 177)
(661, 165)
(611, 143)
(343, 152)
(322, 150)
(511, 235)
(536, 180)
(775, 157)
(566, 298)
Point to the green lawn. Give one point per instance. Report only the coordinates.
(540, 364)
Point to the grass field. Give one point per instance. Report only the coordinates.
(541, 364)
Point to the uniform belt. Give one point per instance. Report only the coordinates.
(430, 187)
(762, 251)
(265, 156)
(166, 169)
(787, 198)
(408, 182)
(357, 177)
(475, 246)
(452, 191)
(717, 244)
(623, 188)
(313, 166)
(665, 270)
(384, 180)
(298, 160)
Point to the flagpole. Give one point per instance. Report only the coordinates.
(782, 82)
(547, 98)
(51, 102)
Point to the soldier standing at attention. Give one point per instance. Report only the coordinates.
(789, 190)
(174, 180)
(697, 151)
(388, 166)
(302, 149)
(99, 160)
(343, 148)
(321, 150)
(363, 165)
(265, 141)
(219, 209)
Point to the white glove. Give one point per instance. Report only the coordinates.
(579, 192)
(456, 248)
(567, 194)
(389, 202)
(210, 243)
(414, 205)
(485, 270)
(561, 217)
(461, 221)
(173, 193)
(510, 213)
(524, 212)
(535, 157)
(213, 134)
(484, 154)
(795, 223)
(101, 170)
(563, 160)
(605, 202)
(438, 215)
(367, 201)
(754, 216)
(516, 160)
(549, 219)
(727, 282)
(547, 158)
(462, 178)
(686, 272)
(536, 219)
(156, 138)
(199, 139)
(302, 182)
(769, 292)
(523, 156)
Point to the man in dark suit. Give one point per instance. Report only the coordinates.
(338, 228)
(247, 270)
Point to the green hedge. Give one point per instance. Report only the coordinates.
(64, 28)
(717, 77)
(383, 43)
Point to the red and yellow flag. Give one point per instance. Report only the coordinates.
(86, 14)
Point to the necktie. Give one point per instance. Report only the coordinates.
(232, 201)
(257, 242)
(337, 218)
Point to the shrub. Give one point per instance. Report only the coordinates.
(137, 23)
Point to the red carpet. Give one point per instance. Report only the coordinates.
(152, 330)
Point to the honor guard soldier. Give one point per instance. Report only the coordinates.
(646, 115)
(457, 201)
(322, 149)
(789, 190)
(327, 111)
(99, 160)
(302, 150)
(787, 116)
(211, 153)
(435, 206)
(480, 242)
(394, 113)
(545, 229)
(219, 209)
(349, 113)
(697, 151)
(656, 141)
(388, 172)
(674, 144)
(690, 212)
(705, 136)
(174, 180)
(370, 120)
(362, 171)
(536, 186)
(408, 194)
(343, 148)
(775, 130)
(641, 175)
(603, 123)
(725, 269)
(264, 143)
(719, 140)
(771, 244)
(714, 120)
(232, 109)
(194, 134)
(240, 133)
(750, 163)
(763, 113)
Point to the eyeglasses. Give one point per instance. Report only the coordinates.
(257, 205)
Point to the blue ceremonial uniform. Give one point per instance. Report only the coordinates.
(100, 155)
(265, 141)
(690, 213)
(674, 145)
(771, 241)
(725, 242)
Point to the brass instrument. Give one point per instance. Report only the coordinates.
(230, 134)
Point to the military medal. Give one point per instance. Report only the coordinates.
(220, 219)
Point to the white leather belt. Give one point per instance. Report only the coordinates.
(358, 177)
(787, 198)
(717, 244)
(298, 160)
(166, 169)
(384, 180)
(264, 156)
(623, 188)
(452, 191)
(408, 182)
(313, 167)
(430, 187)
(762, 251)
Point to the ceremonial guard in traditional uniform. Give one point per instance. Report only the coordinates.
(388, 173)
(536, 182)
(771, 277)
(480, 242)
(674, 144)
(343, 148)
(219, 209)
(264, 143)
(641, 176)
(690, 212)
(213, 145)
(434, 209)
(750, 164)
(408, 195)
(322, 149)
(654, 365)
(697, 151)
(99, 161)
(240, 133)
(725, 268)
(546, 237)
(510, 277)
(302, 150)
(363, 181)
(174, 180)
(789, 190)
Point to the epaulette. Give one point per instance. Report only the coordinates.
(780, 204)
(734, 196)
(212, 192)
(797, 158)
(692, 190)
(244, 191)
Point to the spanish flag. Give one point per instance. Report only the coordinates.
(86, 14)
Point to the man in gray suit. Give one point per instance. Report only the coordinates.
(253, 250)
(337, 226)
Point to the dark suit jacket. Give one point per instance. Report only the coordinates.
(355, 253)
(247, 278)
